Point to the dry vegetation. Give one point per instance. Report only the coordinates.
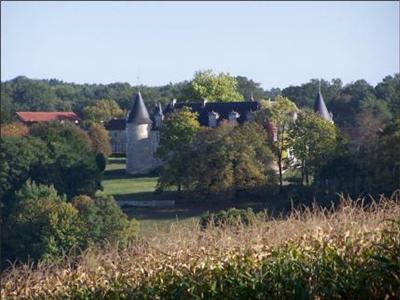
(351, 251)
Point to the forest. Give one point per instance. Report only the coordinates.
(347, 102)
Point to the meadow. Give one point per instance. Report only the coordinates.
(351, 251)
(155, 219)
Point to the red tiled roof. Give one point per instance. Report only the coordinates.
(40, 116)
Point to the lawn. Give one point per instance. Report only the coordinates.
(126, 187)
(155, 219)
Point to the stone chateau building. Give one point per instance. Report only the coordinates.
(138, 135)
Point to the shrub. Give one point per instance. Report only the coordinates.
(231, 217)
(41, 224)
(104, 221)
(14, 129)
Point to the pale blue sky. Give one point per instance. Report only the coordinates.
(275, 43)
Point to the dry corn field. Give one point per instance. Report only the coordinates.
(351, 251)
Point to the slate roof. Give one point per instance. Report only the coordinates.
(116, 124)
(139, 113)
(41, 116)
(320, 107)
(222, 108)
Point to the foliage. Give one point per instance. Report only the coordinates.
(370, 167)
(281, 113)
(103, 111)
(230, 217)
(100, 139)
(14, 129)
(53, 132)
(103, 221)
(345, 102)
(213, 87)
(177, 131)
(248, 88)
(40, 224)
(176, 134)
(56, 154)
(19, 157)
(387, 160)
(389, 91)
(350, 252)
(222, 160)
(313, 140)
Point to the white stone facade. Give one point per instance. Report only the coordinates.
(139, 149)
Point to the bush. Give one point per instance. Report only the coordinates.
(41, 224)
(231, 217)
(104, 221)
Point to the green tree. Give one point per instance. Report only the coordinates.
(249, 88)
(56, 154)
(100, 139)
(103, 111)
(176, 135)
(389, 91)
(281, 113)
(104, 221)
(41, 224)
(213, 87)
(387, 158)
(228, 160)
(313, 141)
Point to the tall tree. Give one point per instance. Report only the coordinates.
(100, 139)
(103, 111)
(313, 140)
(176, 135)
(213, 87)
(281, 113)
(228, 159)
(249, 88)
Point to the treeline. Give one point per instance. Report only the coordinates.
(346, 102)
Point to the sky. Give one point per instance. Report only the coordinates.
(277, 44)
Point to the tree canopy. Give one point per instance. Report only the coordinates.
(206, 85)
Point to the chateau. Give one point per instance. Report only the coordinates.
(138, 135)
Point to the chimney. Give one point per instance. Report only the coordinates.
(173, 102)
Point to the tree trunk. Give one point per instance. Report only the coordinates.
(280, 171)
(302, 172)
(307, 180)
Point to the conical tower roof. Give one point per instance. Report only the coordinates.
(320, 107)
(139, 114)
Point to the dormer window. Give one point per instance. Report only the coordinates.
(213, 119)
(250, 116)
(233, 116)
